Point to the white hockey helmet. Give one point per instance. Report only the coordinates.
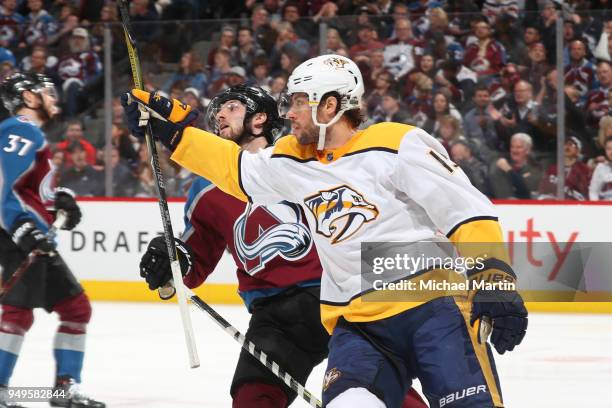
(321, 75)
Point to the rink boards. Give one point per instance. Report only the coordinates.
(105, 249)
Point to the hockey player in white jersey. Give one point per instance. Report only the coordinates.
(388, 183)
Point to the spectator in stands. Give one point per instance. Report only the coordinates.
(459, 79)
(143, 16)
(40, 62)
(221, 68)
(575, 117)
(522, 115)
(439, 39)
(475, 169)
(235, 76)
(288, 39)
(373, 69)
(391, 109)
(289, 59)
(419, 104)
(264, 34)
(303, 28)
(597, 105)
(68, 21)
(577, 175)
(580, 72)
(441, 107)
(145, 183)
(384, 82)
(601, 183)
(124, 181)
(277, 86)
(261, 73)
(479, 124)
(425, 66)
(74, 136)
(328, 14)
(485, 56)
(40, 25)
(536, 67)
(333, 43)
(517, 176)
(546, 23)
(81, 177)
(603, 133)
(367, 43)
(121, 140)
(80, 71)
(520, 56)
(226, 42)
(448, 132)
(191, 97)
(403, 51)
(12, 25)
(190, 71)
(246, 50)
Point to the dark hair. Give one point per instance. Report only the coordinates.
(245, 28)
(354, 116)
(481, 87)
(74, 122)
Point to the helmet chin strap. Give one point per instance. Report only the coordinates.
(323, 126)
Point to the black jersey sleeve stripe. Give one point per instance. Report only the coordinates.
(467, 221)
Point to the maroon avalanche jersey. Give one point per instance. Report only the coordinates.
(271, 245)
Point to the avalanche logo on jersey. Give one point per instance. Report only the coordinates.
(278, 231)
(340, 212)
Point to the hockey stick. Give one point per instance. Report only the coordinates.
(60, 220)
(253, 350)
(166, 291)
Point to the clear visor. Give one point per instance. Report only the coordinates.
(217, 107)
(292, 103)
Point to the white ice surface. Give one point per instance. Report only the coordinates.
(136, 358)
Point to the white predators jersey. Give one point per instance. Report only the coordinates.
(390, 183)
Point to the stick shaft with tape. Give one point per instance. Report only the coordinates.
(163, 202)
(253, 350)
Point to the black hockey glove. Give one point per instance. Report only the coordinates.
(64, 200)
(28, 238)
(155, 263)
(505, 308)
(168, 118)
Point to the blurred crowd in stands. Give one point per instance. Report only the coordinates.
(478, 75)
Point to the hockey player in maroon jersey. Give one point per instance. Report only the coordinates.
(277, 265)
(28, 202)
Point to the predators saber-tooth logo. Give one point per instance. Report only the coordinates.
(335, 62)
(340, 212)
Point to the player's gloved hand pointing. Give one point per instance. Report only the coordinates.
(506, 310)
(155, 263)
(168, 118)
(28, 238)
